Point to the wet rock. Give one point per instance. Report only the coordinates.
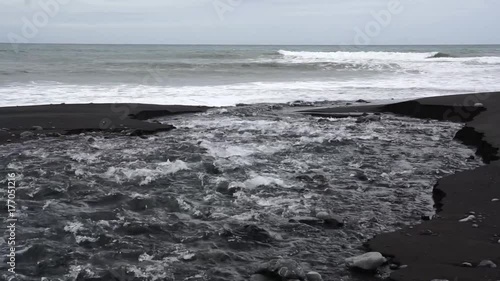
(495, 200)
(210, 168)
(90, 140)
(189, 257)
(320, 178)
(466, 264)
(306, 220)
(313, 276)
(478, 104)
(26, 134)
(369, 261)
(468, 218)
(426, 217)
(362, 101)
(140, 204)
(286, 269)
(427, 232)
(213, 256)
(393, 266)
(487, 263)
(172, 204)
(330, 219)
(304, 178)
(54, 134)
(360, 176)
(37, 128)
(247, 232)
(260, 277)
(229, 188)
(118, 274)
(368, 118)
(300, 103)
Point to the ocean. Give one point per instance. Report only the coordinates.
(231, 189)
(228, 75)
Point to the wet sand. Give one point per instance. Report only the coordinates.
(436, 249)
(62, 119)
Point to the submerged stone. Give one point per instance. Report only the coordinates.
(287, 269)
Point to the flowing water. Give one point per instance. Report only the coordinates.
(216, 197)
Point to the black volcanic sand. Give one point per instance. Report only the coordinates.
(52, 120)
(437, 248)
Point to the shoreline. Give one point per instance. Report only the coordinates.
(437, 249)
(29, 122)
(434, 249)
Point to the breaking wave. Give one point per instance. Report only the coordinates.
(340, 56)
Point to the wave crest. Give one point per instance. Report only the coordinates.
(340, 56)
(441, 55)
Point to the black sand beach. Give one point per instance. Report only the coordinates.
(53, 120)
(437, 249)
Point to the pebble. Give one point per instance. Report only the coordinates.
(495, 200)
(313, 276)
(478, 104)
(368, 261)
(394, 266)
(469, 218)
(26, 134)
(487, 263)
(475, 225)
(466, 264)
(426, 232)
(37, 128)
(322, 215)
(188, 257)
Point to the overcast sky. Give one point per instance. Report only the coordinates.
(252, 21)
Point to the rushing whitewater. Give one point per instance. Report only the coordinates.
(227, 190)
(228, 75)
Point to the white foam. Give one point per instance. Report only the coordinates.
(353, 57)
(73, 227)
(437, 80)
(301, 57)
(146, 175)
(259, 180)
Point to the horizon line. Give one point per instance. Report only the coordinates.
(212, 44)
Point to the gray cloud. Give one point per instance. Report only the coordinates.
(256, 21)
